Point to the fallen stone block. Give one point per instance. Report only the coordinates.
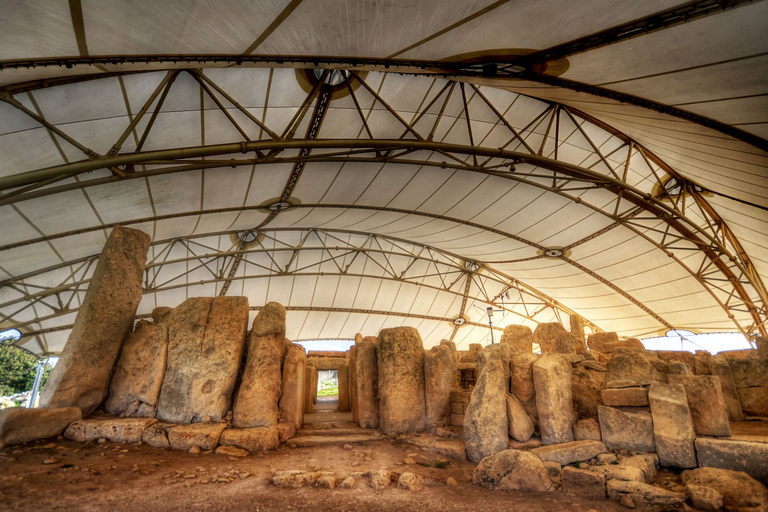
(347, 483)
(453, 448)
(626, 397)
(410, 481)
(202, 435)
(646, 493)
(293, 478)
(705, 399)
(21, 425)
(256, 439)
(512, 470)
(485, 423)
(117, 430)
(581, 482)
(672, 425)
(754, 401)
(626, 431)
(602, 341)
(747, 456)
(567, 453)
(703, 497)
(519, 425)
(325, 482)
(740, 492)
(648, 463)
(620, 472)
(552, 379)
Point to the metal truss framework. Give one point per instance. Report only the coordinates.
(661, 206)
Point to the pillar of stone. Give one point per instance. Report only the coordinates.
(401, 381)
(81, 377)
(315, 382)
(309, 391)
(577, 329)
(206, 338)
(554, 400)
(485, 423)
(291, 405)
(718, 366)
(352, 375)
(366, 369)
(439, 369)
(256, 403)
(519, 337)
(552, 338)
(342, 373)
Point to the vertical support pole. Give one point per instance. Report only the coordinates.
(36, 385)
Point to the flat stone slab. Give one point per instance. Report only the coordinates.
(21, 425)
(581, 482)
(626, 397)
(646, 493)
(117, 430)
(157, 434)
(453, 448)
(203, 435)
(309, 441)
(567, 453)
(256, 439)
(626, 431)
(749, 457)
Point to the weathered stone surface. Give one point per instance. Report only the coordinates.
(512, 470)
(205, 347)
(581, 482)
(587, 430)
(672, 425)
(257, 439)
(626, 431)
(156, 435)
(485, 422)
(310, 389)
(577, 330)
(410, 482)
(400, 360)
(291, 404)
(327, 363)
(380, 479)
(519, 338)
(439, 367)
(705, 399)
(648, 463)
(701, 362)
(740, 492)
(347, 483)
(20, 425)
(749, 372)
(81, 377)
(367, 383)
(620, 472)
(521, 381)
(703, 497)
(567, 453)
(662, 367)
(552, 338)
(256, 402)
(645, 493)
(747, 456)
(470, 355)
(140, 368)
(285, 431)
(629, 368)
(202, 435)
(602, 341)
(354, 405)
(626, 397)
(519, 425)
(342, 374)
(552, 379)
(500, 351)
(718, 365)
(117, 430)
(294, 478)
(586, 393)
(682, 356)
(678, 368)
(754, 401)
(453, 448)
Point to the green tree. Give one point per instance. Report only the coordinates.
(17, 370)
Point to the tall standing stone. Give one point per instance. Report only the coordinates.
(577, 330)
(521, 381)
(500, 351)
(672, 425)
(552, 338)
(485, 422)
(439, 368)
(354, 403)
(81, 377)
(206, 337)
(705, 399)
(401, 381)
(256, 403)
(291, 405)
(519, 337)
(367, 383)
(342, 375)
(718, 365)
(140, 370)
(310, 389)
(554, 401)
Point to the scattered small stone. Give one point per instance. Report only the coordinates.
(450, 481)
(347, 483)
(347, 446)
(194, 449)
(51, 460)
(606, 458)
(703, 497)
(410, 481)
(245, 475)
(102, 440)
(47, 446)
(627, 502)
(325, 482)
(380, 479)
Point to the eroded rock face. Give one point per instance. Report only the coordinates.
(439, 367)
(738, 489)
(205, 346)
(577, 330)
(21, 425)
(400, 360)
(747, 456)
(82, 375)
(705, 399)
(140, 368)
(626, 397)
(587, 430)
(629, 368)
(750, 371)
(644, 493)
(256, 403)
(500, 351)
(117, 430)
(718, 365)
(519, 425)
(202, 435)
(291, 404)
(512, 470)
(552, 338)
(754, 401)
(552, 379)
(602, 341)
(485, 422)
(586, 393)
(258, 439)
(367, 383)
(521, 381)
(566, 453)
(672, 425)
(581, 482)
(519, 338)
(626, 431)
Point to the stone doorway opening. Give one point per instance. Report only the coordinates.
(327, 390)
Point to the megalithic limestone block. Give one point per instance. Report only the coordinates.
(343, 379)
(521, 381)
(206, 337)
(354, 405)
(705, 399)
(256, 403)
(439, 368)
(577, 329)
(310, 379)
(485, 422)
(367, 383)
(500, 351)
(81, 377)
(718, 365)
(554, 400)
(401, 381)
(519, 337)
(672, 425)
(291, 405)
(552, 338)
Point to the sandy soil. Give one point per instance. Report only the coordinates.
(58, 474)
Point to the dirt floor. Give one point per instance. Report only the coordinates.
(59, 474)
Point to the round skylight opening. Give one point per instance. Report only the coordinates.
(335, 76)
(554, 253)
(459, 321)
(279, 206)
(248, 236)
(9, 336)
(676, 333)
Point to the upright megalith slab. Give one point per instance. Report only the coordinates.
(519, 337)
(367, 379)
(500, 351)
(521, 381)
(629, 368)
(256, 403)
(705, 399)
(552, 338)
(291, 405)
(672, 425)
(718, 365)
(554, 401)
(342, 373)
(140, 369)
(354, 403)
(206, 337)
(439, 368)
(400, 360)
(81, 377)
(310, 389)
(577, 330)
(485, 422)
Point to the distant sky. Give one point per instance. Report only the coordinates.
(335, 345)
(714, 342)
